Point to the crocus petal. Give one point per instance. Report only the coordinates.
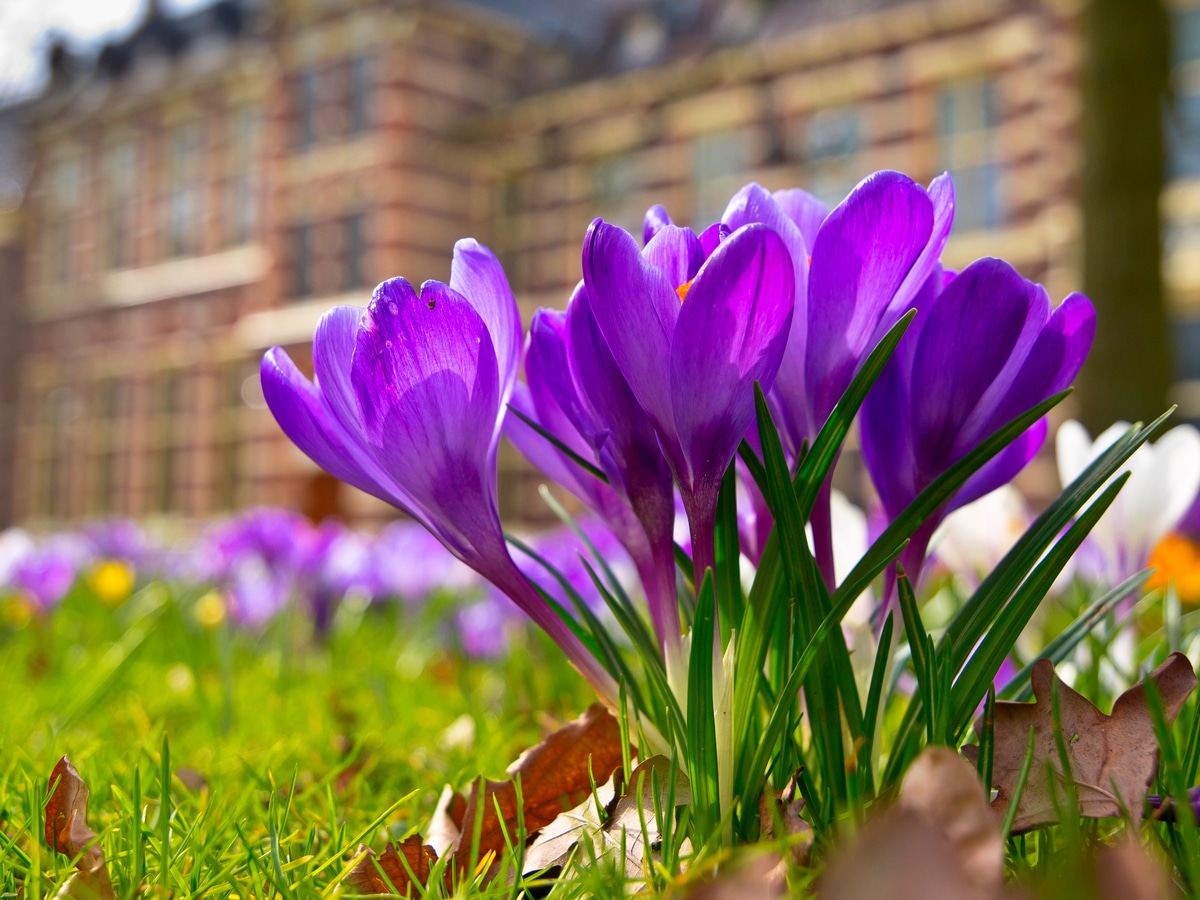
(941, 195)
(655, 219)
(639, 469)
(753, 204)
(1003, 467)
(1053, 361)
(298, 407)
(676, 252)
(804, 209)
(635, 306)
(731, 332)
(863, 253)
(551, 387)
(540, 451)
(333, 345)
(427, 383)
(477, 275)
(967, 339)
(711, 237)
(791, 402)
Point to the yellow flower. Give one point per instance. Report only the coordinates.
(210, 609)
(1176, 561)
(16, 611)
(111, 581)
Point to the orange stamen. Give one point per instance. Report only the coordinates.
(683, 289)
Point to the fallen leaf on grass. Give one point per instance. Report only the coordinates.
(67, 832)
(555, 775)
(554, 843)
(940, 840)
(418, 859)
(1125, 871)
(944, 788)
(1113, 758)
(757, 880)
(783, 808)
(612, 826)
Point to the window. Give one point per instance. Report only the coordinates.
(63, 195)
(615, 183)
(58, 409)
(719, 165)
(185, 194)
(830, 142)
(242, 183)
(108, 412)
(967, 121)
(120, 167)
(304, 99)
(168, 469)
(226, 450)
(358, 115)
(300, 248)
(354, 251)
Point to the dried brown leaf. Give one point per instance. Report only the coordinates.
(760, 879)
(1113, 758)
(1125, 871)
(623, 830)
(612, 826)
(555, 776)
(445, 825)
(900, 855)
(941, 839)
(554, 843)
(783, 807)
(67, 832)
(365, 878)
(944, 788)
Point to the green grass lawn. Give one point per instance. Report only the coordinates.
(284, 753)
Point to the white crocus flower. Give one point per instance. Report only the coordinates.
(15, 545)
(1163, 480)
(973, 539)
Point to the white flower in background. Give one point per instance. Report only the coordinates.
(15, 545)
(973, 539)
(1163, 481)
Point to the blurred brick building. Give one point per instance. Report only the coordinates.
(209, 185)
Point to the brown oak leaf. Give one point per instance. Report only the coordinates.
(418, 859)
(1113, 758)
(556, 775)
(612, 822)
(67, 832)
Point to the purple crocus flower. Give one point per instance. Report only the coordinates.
(692, 365)
(408, 562)
(858, 270)
(576, 393)
(256, 557)
(48, 570)
(407, 405)
(334, 562)
(985, 347)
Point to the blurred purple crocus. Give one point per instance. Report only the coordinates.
(48, 570)
(691, 336)
(407, 405)
(408, 562)
(985, 347)
(256, 558)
